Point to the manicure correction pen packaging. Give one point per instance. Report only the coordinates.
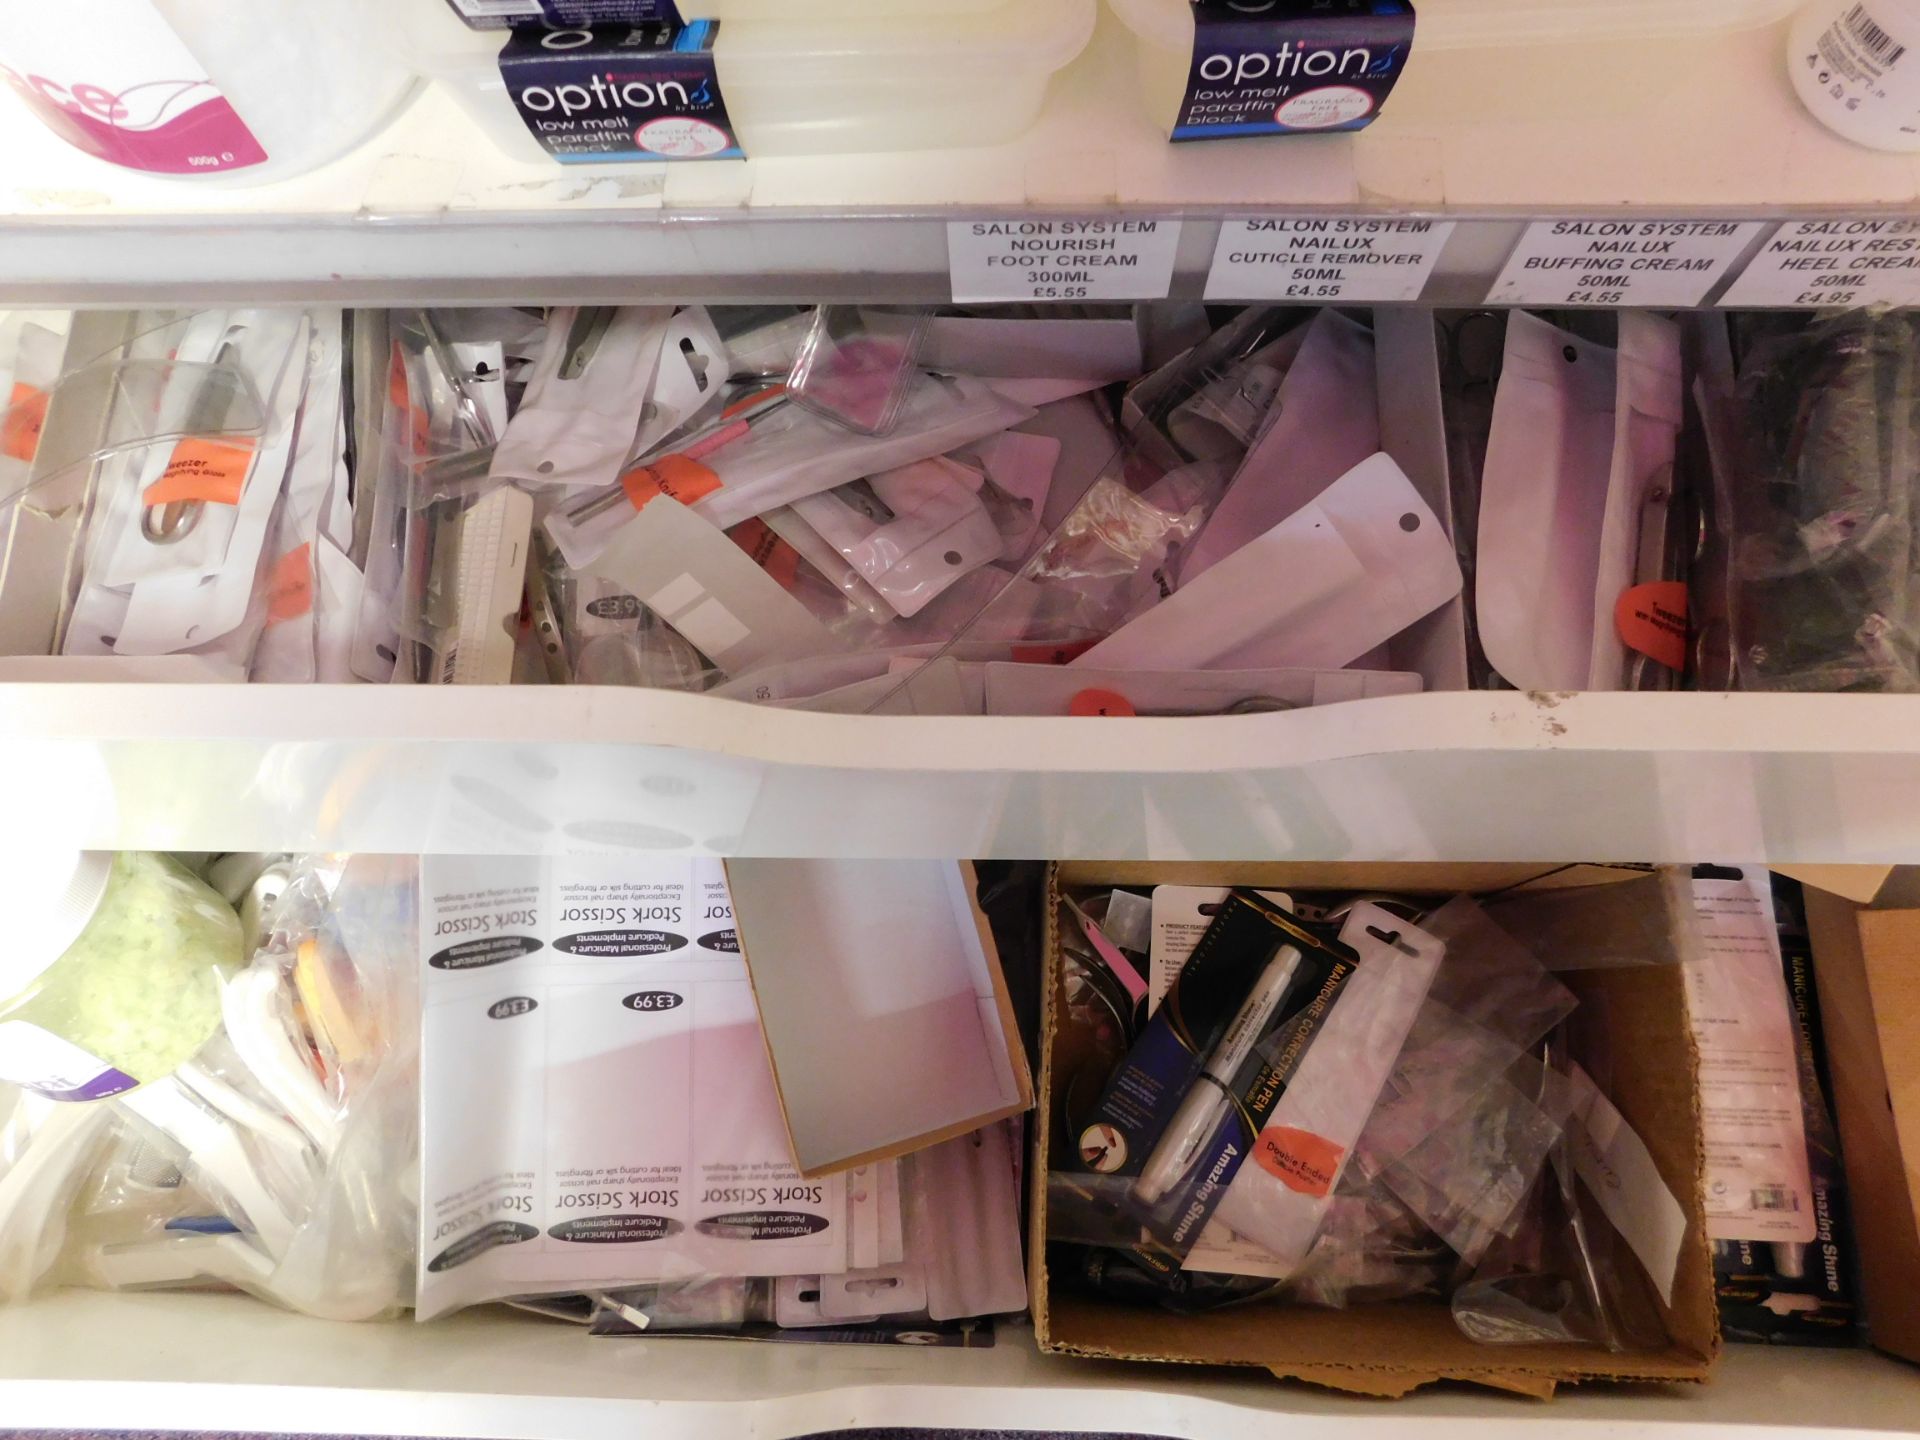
(1173, 1054)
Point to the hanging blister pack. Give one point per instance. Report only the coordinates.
(577, 422)
(31, 354)
(229, 492)
(1759, 1187)
(1342, 575)
(184, 508)
(1543, 506)
(1181, 1114)
(299, 604)
(690, 383)
(1323, 420)
(1282, 1199)
(909, 533)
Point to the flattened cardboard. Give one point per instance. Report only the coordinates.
(884, 1009)
(1390, 1350)
(1867, 966)
(1852, 882)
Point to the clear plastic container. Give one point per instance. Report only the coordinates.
(506, 11)
(1852, 67)
(911, 77)
(206, 89)
(111, 969)
(1163, 30)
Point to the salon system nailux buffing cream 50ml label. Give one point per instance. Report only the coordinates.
(1279, 67)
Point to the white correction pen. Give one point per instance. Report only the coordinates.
(1199, 1112)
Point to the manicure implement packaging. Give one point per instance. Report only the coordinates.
(1281, 1200)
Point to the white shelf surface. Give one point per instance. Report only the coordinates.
(1671, 778)
(78, 1362)
(429, 211)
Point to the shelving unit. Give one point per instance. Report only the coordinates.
(1810, 778)
(231, 1366)
(430, 214)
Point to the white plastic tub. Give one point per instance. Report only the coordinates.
(1163, 30)
(946, 74)
(240, 91)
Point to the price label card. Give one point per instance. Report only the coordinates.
(1812, 263)
(1661, 263)
(1373, 261)
(994, 260)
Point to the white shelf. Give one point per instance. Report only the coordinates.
(429, 212)
(1671, 778)
(78, 1362)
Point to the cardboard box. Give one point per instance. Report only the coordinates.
(1852, 882)
(1867, 965)
(885, 1012)
(1392, 1349)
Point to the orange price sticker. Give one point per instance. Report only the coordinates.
(25, 418)
(1652, 619)
(768, 551)
(1101, 702)
(673, 476)
(1299, 1159)
(214, 471)
(290, 588)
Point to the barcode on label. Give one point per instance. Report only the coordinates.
(1871, 38)
(1772, 1197)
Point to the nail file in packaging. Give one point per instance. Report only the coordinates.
(709, 590)
(1280, 1199)
(1649, 412)
(1319, 590)
(491, 558)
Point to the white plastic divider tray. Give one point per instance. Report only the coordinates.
(1811, 778)
(78, 1362)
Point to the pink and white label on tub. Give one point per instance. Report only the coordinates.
(111, 78)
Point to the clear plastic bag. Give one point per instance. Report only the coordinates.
(314, 1090)
(1491, 1002)
(1468, 1179)
(1560, 1273)
(1826, 562)
(857, 364)
(280, 1159)
(1371, 1249)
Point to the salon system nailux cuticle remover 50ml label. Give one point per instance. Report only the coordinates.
(1283, 67)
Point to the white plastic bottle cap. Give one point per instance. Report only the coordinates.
(48, 896)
